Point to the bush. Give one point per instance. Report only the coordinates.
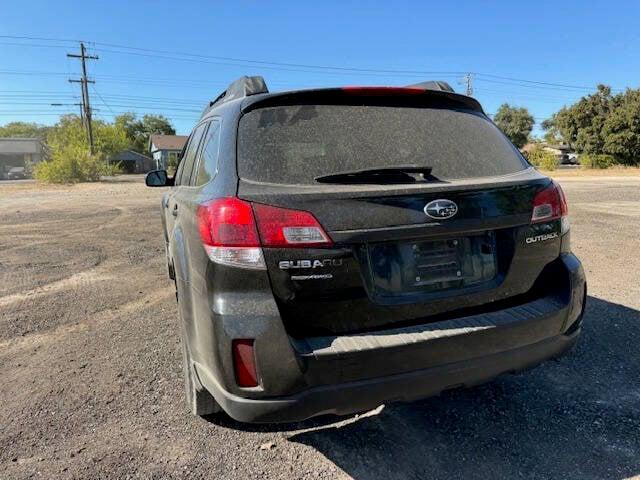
(70, 159)
(74, 167)
(28, 168)
(543, 159)
(172, 164)
(112, 169)
(597, 161)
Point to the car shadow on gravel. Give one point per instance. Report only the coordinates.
(577, 417)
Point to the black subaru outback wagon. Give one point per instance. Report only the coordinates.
(336, 249)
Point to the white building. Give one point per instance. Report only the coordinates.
(164, 148)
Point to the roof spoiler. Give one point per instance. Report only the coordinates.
(438, 85)
(242, 87)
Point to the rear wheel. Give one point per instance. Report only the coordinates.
(170, 270)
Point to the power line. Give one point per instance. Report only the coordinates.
(164, 81)
(286, 66)
(49, 39)
(20, 97)
(39, 45)
(525, 97)
(187, 56)
(144, 107)
(29, 113)
(280, 66)
(170, 104)
(544, 85)
(29, 72)
(535, 82)
(69, 105)
(102, 99)
(324, 70)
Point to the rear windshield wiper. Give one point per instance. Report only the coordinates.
(382, 176)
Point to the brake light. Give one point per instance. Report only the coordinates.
(383, 90)
(227, 222)
(551, 204)
(244, 363)
(228, 231)
(282, 227)
(233, 231)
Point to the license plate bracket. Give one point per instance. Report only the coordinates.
(423, 266)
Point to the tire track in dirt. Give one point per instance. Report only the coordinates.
(14, 345)
(119, 219)
(75, 281)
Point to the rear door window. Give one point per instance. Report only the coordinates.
(208, 161)
(188, 160)
(296, 144)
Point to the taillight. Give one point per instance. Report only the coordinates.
(551, 204)
(228, 231)
(282, 227)
(233, 231)
(244, 363)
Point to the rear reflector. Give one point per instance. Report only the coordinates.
(244, 363)
(282, 227)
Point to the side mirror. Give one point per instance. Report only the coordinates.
(158, 178)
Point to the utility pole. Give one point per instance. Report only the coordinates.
(84, 81)
(468, 80)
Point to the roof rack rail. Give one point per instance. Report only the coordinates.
(434, 85)
(242, 87)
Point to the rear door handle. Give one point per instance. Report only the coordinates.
(174, 211)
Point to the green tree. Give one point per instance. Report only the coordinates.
(552, 135)
(581, 124)
(24, 129)
(139, 130)
(70, 159)
(621, 129)
(516, 123)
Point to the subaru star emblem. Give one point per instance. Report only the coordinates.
(441, 209)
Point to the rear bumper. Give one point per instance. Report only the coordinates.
(366, 394)
(350, 373)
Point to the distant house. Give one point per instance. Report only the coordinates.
(19, 152)
(560, 151)
(164, 148)
(133, 162)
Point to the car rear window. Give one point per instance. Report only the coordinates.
(295, 144)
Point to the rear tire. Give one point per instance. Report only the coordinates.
(170, 270)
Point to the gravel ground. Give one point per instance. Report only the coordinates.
(90, 372)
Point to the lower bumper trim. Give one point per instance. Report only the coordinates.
(357, 396)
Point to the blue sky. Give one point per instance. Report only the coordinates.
(568, 47)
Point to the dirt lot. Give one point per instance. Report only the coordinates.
(90, 373)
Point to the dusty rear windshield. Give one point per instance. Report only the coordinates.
(296, 144)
